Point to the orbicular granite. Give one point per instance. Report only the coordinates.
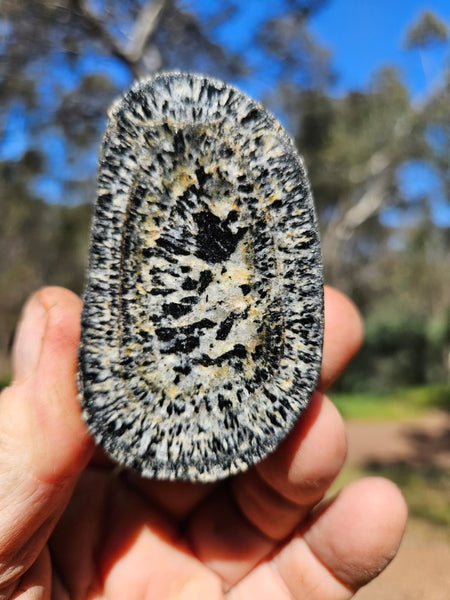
(203, 310)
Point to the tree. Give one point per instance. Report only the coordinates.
(429, 29)
(62, 62)
(358, 148)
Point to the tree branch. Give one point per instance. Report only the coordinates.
(385, 157)
(370, 202)
(376, 171)
(144, 27)
(97, 26)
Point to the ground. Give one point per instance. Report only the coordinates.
(416, 454)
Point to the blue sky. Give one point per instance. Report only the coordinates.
(364, 35)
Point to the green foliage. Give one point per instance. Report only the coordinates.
(40, 244)
(399, 404)
(399, 349)
(338, 136)
(357, 148)
(424, 481)
(428, 29)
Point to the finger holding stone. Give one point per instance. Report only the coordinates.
(270, 500)
(357, 534)
(176, 498)
(43, 443)
(343, 335)
(348, 543)
(235, 529)
(285, 485)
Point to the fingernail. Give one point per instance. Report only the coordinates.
(28, 340)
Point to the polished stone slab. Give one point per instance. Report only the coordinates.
(203, 309)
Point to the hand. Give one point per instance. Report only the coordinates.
(72, 527)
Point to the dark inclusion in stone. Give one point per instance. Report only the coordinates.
(203, 311)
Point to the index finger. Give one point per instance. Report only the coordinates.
(342, 337)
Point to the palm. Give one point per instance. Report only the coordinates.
(115, 535)
(113, 543)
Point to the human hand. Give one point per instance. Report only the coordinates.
(72, 526)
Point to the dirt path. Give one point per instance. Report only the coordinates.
(421, 570)
(416, 441)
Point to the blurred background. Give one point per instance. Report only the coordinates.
(363, 88)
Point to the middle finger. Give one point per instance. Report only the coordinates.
(268, 502)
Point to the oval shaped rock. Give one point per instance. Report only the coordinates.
(203, 310)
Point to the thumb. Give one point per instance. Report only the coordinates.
(44, 444)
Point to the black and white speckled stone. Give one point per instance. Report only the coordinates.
(203, 311)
